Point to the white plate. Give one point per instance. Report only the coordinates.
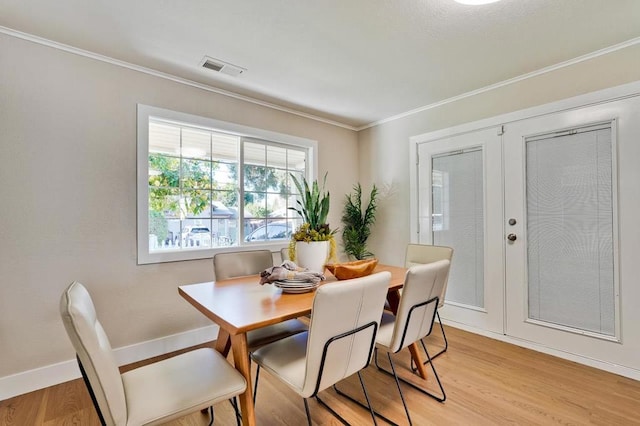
(296, 280)
(283, 284)
(298, 290)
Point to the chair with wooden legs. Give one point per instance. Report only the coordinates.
(413, 321)
(341, 337)
(153, 394)
(419, 254)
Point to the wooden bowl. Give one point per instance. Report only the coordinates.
(355, 269)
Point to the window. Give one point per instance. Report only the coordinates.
(458, 220)
(438, 184)
(570, 228)
(206, 185)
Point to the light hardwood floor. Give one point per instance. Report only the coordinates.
(487, 383)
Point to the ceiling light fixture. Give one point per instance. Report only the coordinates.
(476, 2)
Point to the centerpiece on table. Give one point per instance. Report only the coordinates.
(313, 243)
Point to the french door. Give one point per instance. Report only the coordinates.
(542, 216)
(460, 205)
(561, 226)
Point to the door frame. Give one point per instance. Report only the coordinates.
(514, 144)
(627, 213)
(491, 315)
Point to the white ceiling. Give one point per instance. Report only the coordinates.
(351, 61)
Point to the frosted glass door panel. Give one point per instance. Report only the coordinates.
(458, 221)
(570, 258)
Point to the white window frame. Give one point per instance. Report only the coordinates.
(146, 112)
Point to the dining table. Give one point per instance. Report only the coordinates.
(239, 305)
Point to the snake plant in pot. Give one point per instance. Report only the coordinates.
(313, 243)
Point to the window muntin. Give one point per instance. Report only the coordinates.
(203, 181)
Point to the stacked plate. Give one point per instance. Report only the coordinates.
(296, 286)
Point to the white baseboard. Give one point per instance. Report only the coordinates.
(38, 378)
(621, 370)
(28, 381)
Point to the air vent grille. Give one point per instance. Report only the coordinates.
(212, 65)
(221, 66)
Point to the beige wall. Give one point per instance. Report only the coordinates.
(384, 149)
(68, 197)
(68, 179)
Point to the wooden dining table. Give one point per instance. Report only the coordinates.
(239, 305)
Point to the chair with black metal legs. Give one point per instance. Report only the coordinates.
(413, 321)
(242, 263)
(340, 341)
(420, 254)
(284, 254)
(238, 264)
(153, 394)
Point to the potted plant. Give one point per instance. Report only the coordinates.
(357, 223)
(313, 243)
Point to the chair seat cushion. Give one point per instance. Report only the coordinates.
(172, 388)
(265, 335)
(385, 332)
(285, 358)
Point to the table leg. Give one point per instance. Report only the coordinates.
(417, 358)
(241, 360)
(393, 297)
(223, 342)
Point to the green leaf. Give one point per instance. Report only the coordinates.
(357, 223)
(313, 205)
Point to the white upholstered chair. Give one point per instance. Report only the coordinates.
(241, 263)
(238, 264)
(149, 395)
(419, 254)
(344, 321)
(284, 254)
(414, 319)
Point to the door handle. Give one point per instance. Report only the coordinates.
(512, 237)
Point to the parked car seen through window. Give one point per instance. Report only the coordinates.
(270, 231)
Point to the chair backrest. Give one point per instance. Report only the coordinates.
(419, 254)
(336, 346)
(284, 254)
(94, 353)
(418, 303)
(241, 263)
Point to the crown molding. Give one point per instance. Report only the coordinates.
(171, 77)
(88, 54)
(503, 83)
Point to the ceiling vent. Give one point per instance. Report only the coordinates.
(221, 66)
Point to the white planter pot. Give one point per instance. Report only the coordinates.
(312, 255)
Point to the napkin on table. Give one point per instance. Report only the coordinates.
(289, 271)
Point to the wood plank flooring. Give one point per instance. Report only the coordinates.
(487, 383)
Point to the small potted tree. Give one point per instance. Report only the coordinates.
(313, 243)
(357, 222)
